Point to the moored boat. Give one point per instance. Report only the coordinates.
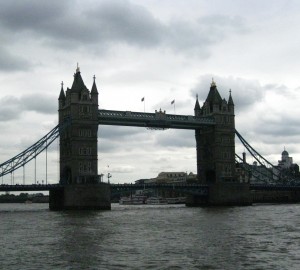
(176, 200)
(134, 199)
(156, 200)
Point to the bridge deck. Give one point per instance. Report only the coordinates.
(33, 187)
(197, 188)
(158, 120)
(115, 188)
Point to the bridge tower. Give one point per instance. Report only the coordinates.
(82, 188)
(215, 146)
(78, 143)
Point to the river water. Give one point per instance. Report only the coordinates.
(150, 237)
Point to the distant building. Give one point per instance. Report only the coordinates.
(170, 177)
(259, 174)
(286, 168)
(286, 161)
(167, 178)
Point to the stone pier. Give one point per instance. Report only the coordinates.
(223, 194)
(81, 197)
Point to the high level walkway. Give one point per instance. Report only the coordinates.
(157, 120)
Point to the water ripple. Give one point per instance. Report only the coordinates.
(151, 237)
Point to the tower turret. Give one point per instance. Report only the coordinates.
(94, 92)
(197, 108)
(62, 97)
(230, 103)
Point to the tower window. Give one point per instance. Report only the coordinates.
(85, 132)
(85, 109)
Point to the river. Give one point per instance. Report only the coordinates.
(150, 237)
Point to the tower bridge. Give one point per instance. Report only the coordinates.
(79, 118)
(214, 127)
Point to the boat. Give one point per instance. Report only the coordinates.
(134, 199)
(176, 200)
(156, 200)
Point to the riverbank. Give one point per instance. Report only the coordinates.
(24, 198)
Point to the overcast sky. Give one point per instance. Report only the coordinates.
(160, 50)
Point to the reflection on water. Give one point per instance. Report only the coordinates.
(150, 237)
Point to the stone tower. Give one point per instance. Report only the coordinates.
(78, 141)
(215, 145)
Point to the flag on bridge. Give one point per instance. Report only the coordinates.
(143, 99)
(173, 101)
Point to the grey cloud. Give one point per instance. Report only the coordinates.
(39, 103)
(287, 126)
(177, 138)
(198, 36)
(127, 22)
(12, 107)
(30, 14)
(10, 62)
(107, 22)
(280, 89)
(112, 138)
(118, 132)
(110, 22)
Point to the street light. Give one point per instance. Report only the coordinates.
(108, 176)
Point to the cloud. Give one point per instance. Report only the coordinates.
(31, 14)
(39, 103)
(12, 107)
(122, 139)
(9, 108)
(198, 36)
(10, 62)
(70, 25)
(118, 132)
(176, 139)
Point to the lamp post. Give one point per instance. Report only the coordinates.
(108, 176)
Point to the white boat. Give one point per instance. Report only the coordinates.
(176, 200)
(156, 200)
(134, 199)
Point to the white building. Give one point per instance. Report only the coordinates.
(286, 162)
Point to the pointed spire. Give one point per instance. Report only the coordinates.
(213, 95)
(94, 87)
(78, 83)
(62, 92)
(213, 84)
(230, 100)
(197, 105)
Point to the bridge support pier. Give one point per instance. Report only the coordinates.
(223, 194)
(81, 197)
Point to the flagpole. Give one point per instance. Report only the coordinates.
(143, 100)
(173, 102)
